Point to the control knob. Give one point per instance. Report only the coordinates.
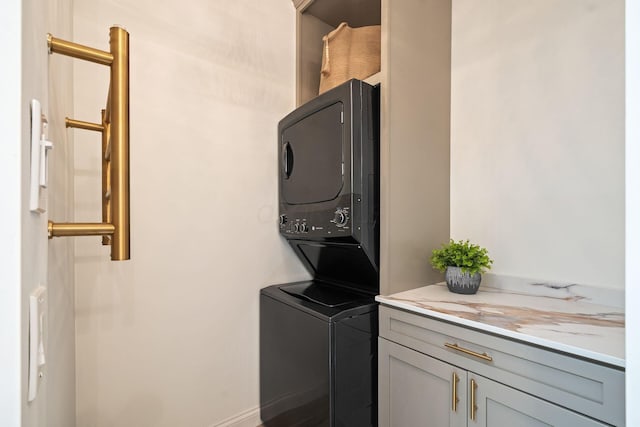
(340, 218)
(283, 219)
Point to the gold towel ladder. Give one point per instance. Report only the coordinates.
(115, 144)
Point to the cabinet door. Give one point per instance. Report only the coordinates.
(418, 390)
(495, 405)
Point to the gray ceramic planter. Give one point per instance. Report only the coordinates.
(461, 282)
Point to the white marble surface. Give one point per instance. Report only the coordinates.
(567, 318)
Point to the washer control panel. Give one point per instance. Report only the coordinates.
(319, 224)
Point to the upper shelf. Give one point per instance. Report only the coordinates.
(315, 19)
(358, 13)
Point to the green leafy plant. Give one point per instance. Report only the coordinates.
(470, 258)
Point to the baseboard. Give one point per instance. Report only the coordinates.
(248, 418)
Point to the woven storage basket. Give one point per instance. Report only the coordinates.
(349, 53)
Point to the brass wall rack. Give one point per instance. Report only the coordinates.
(114, 127)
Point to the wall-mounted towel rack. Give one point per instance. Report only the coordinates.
(114, 127)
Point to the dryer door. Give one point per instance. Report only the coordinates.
(312, 158)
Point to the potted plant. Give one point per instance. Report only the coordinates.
(463, 263)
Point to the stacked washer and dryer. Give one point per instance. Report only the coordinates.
(318, 363)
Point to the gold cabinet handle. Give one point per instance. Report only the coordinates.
(474, 407)
(454, 393)
(456, 347)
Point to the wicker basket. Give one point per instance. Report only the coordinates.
(349, 53)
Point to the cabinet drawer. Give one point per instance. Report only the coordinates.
(580, 385)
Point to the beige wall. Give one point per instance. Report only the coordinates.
(170, 338)
(33, 226)
(28, 260)
(537, 136)
(61, 388)
(632, 206)
(10, 215)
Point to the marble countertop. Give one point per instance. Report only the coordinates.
(567, 318)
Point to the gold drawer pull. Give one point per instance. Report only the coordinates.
(454, 394)
(483, 356)
(474, 406)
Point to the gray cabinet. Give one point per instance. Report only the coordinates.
(435, 373)
(498, 405)
(415, 389)
(419, 390)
